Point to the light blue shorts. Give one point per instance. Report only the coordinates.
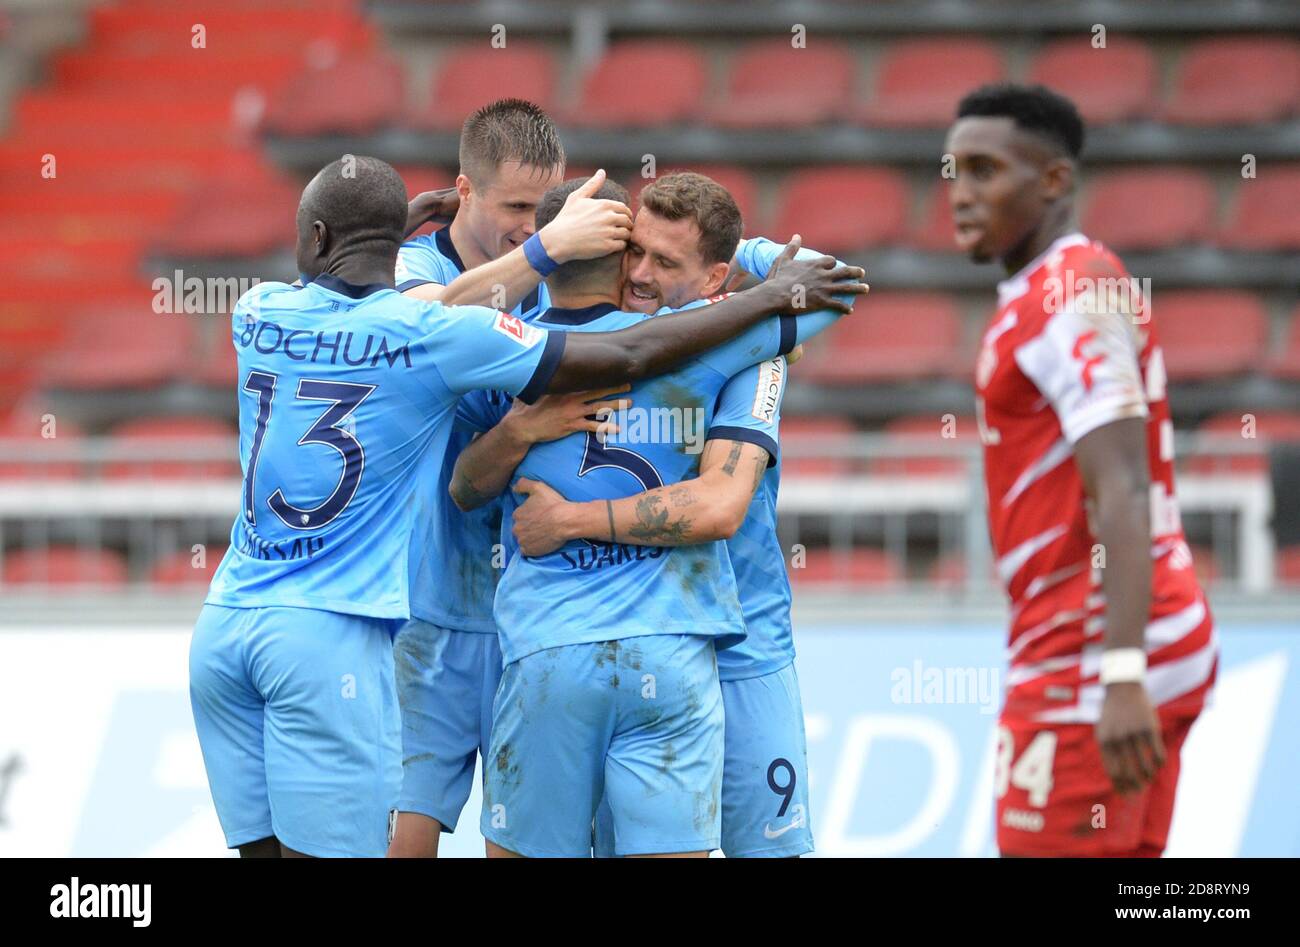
(765, 771)
(297, 718)
(638, 720)
(446, 681)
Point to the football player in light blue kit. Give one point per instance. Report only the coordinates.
(448, 662)
(611, 685)
(672, 258)
(346, 394)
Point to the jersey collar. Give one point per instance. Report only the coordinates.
(442, 239)
(1018, 283)
(344, 288)
(577, 317)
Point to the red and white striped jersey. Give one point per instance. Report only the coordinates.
(1072, 348)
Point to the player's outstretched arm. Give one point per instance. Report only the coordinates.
(711, 506)
(484, 468)
(806, 287)
(585, 228)
(1112, 462)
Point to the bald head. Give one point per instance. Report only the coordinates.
(353, 206)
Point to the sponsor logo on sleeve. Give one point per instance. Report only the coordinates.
(767, 396)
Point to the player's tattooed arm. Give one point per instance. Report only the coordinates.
(711, 506)
(656, 346)
(484, 468)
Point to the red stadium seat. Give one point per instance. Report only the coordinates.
(1210, 333)
(65, 566)
(31, 455)
(235, 216)
(892, 336)
(473, 76)
(856, 566)
(178, 568)
(924, 432)
(121, 347)
(804, 439)
(774, 85)
(1237, 81)
(950, 570)
(1286, 363)
(843, 208)
(921, 81)
(1116, 83)
(935, 231)
(175, 448)
(1150, 208)
(1288, 565)
(1266, 212)
(739, 182)
(1264, 427)
(642, 83)
(356, 96)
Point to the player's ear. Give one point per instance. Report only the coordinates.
(717, 276)
(463, 187)
(1058, 179)
(320, 237)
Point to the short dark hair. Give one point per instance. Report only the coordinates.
(360, 199)
(508, 130)
(686, 195)
(548, 208)
(1036, 109)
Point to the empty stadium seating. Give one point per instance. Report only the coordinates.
(473, 76)
(892, 337)
(179, 568)
(1236, 81)
(1150, 208)
(850, 567)
(641, 84)
(773, 85)
(843, 208)
(1210, 334)
(173, 448)
(1266, 212)
(64, 566)
(1116, 82)
(919, 82)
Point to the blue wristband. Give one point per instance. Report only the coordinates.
(537, 256)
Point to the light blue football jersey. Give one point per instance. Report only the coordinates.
(749, 409)
(456, 571)
(346, 400)
(598, 591)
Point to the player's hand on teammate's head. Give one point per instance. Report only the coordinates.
(552, 417)
(1128, 733)
(432, 207)
(813, 284)
(538, 520)
(587, 227)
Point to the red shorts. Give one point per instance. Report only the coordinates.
(1055, 799)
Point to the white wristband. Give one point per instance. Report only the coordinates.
(1123, 665)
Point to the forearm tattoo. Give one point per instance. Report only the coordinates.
(652, 523)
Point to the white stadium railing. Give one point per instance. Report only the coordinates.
(78, 493)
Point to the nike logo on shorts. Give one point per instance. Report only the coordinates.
(798, 820)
